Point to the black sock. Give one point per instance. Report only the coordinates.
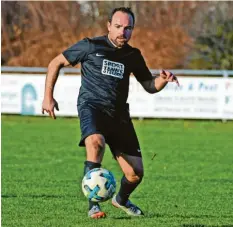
(126, 189)
(88, 166)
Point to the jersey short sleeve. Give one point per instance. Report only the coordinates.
(140, 70)
(78, 52)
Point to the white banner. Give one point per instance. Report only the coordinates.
(200, 98)
(195, 98)
(23, 94)
(228, 99)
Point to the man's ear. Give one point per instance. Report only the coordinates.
(108, 25)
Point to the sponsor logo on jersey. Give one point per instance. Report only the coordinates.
(112, 68)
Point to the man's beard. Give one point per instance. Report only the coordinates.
(121, 43)
(116, 43)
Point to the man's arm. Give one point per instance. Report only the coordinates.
(151, 84)
(49, 103)
(71, 56)
(157, 83)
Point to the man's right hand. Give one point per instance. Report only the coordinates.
(48, 105)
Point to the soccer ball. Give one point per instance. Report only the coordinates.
(99, 185)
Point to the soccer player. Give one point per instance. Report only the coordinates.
(106, 64)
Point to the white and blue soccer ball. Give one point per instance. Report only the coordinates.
(99, 185)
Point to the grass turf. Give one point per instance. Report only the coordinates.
(188, 178)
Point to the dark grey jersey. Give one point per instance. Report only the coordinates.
(105, 71)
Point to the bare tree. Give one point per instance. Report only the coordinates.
(40, 30)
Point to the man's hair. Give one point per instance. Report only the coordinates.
(124, 10)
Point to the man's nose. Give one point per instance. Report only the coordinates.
(121, 31)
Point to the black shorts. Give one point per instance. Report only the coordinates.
(118, 131)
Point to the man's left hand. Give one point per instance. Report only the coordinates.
(168, 76)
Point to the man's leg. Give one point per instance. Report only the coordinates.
(95, 145)
(132, 168)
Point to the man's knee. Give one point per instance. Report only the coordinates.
(134, 175)
(95, 142)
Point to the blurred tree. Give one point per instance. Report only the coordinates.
(213, 47)
(11, 18)
(38, 31)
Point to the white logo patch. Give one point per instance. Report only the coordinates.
(112, 68)
(99, 55)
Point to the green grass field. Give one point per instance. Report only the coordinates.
(189, 183)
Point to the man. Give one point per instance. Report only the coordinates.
(107, 62)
